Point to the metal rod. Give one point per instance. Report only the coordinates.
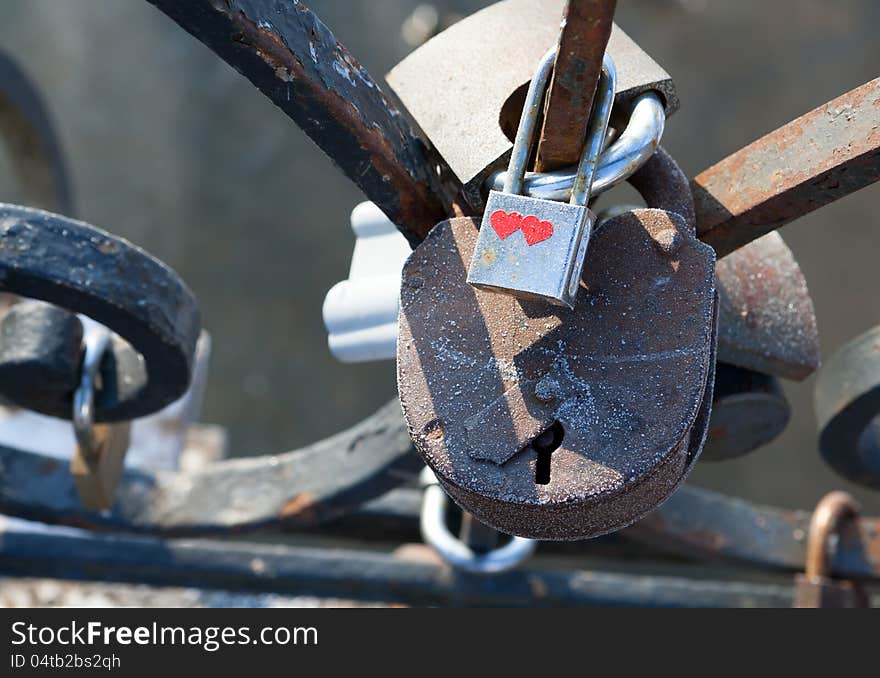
(33, 550)
(820, 157)
(296, 61)
(586, 28)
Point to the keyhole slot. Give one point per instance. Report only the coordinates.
(544, 445)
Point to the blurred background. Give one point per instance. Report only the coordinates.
(172, 149)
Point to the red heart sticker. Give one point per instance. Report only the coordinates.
(536, 230)
(504, 223)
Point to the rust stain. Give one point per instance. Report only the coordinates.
(302, 508)
(434, 431)
(718, 433)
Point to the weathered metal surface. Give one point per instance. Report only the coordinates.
(766, 318)
(29, 550)
(692, 522)
(40, 353)
(456, 84)
(296, 61)
(481, 374)
(584, 34)
(299, 488)
(816, 159)
(748, 411)
(33, 144)
(168, 439)
(81, 268)
(847, 403)
(697, 522)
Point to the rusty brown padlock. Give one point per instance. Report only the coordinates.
(558, 424)
(816, 587)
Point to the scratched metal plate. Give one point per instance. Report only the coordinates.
(480, 374)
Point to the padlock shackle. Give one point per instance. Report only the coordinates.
(454, 551)
(617, 163)
(832, 511)
(596, 131)
(528, 122)
(95, 344)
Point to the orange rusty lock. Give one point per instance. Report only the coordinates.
(816, 588)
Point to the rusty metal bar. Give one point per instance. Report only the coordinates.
(705, 524)
(300, 488)
(586, 28)
(32, 550)
(820, 157)
(339, 475)
(295, 60)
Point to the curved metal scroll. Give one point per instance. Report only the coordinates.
(300, 488)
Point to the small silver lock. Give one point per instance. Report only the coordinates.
(535, 248)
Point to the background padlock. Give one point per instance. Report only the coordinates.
(97, 461)
(622, 384)
(455, 85)
(847, 405)
(535, 248)
(815, 587)
(749, 410)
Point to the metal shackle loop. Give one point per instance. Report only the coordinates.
(95, 344)
(436, 534)
(596, 130)
(625, 155)
(832, 511)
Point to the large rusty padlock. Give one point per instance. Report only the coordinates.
(556, 424)
(815, 588)
(465, 87)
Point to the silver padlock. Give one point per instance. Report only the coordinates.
(534, 248)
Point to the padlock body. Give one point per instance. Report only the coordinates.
(531, 248)
(824, 592)
(96, 478)
(626, 377)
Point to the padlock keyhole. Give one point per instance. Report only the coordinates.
(544, 445)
